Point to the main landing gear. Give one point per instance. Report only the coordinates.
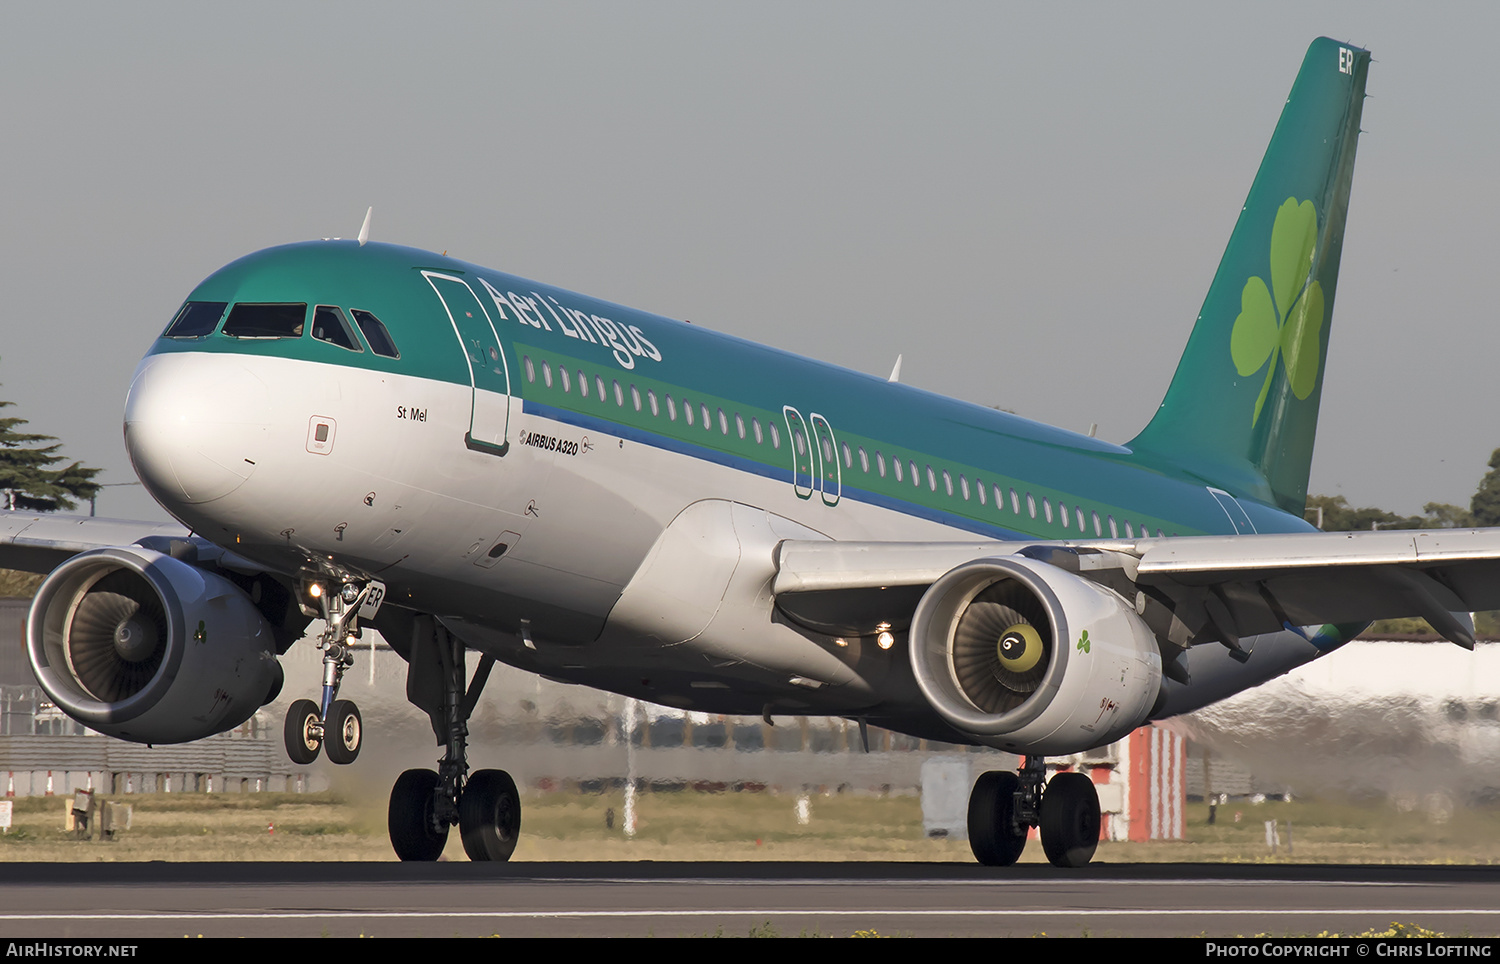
(333, 722)
(1004, 806)
(424, 805)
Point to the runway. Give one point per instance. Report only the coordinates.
(682, 899)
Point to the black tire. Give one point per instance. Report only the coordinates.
(992, 838)
(343, 732)
(1070, 820)
(410, 817)
(302, 741)
(489, 815)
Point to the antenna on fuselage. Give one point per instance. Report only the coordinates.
(895, 371)
(364, 229)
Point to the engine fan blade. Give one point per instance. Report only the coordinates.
(117, 637)
(1002, 647)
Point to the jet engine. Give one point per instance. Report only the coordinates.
(145, 647)
(1027, 657)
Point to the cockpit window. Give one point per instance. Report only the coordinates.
(375, 334)
(196, 319)
(266, 321)
(330, 325)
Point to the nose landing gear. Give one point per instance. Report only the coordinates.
(334, 722)
(1004, 806)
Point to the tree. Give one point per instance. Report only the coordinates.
(27, 479)
(1333, 513)
(1485, 509)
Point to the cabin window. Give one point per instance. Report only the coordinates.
(567, 384)
(376, 335)
(655, 405)
(755, 427)
(708, 425)
(671, 409)
(266, 321)
(687, 411)
(1047, 510)
(330, 325)
(963, 486)
(530, 369)
(547, 373)
(1114, 530)
(880, 463)
(775, 435)
(1015, 502)
(864, 461)
(916, 480)
(1129, 531)
(1030, 505)
(896, 465)
(619, 393)
(948, 483)
(583, 384)
(1080, 519)
(800, 441)
(931, 479)
(1098, 529)
(599, 384)
(979, 490)
(635, 397)
(739, 424)
(723, 423)
(196, 319)
(1062, 511)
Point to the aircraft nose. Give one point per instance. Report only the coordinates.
(194, 426)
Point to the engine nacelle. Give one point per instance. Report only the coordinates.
(144, 647)
(1026, 657)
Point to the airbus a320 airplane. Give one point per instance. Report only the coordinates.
(387, 438)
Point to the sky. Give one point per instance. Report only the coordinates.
(1027, 202)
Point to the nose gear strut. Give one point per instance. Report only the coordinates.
(333, 722)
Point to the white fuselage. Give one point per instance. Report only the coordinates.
(579, 555)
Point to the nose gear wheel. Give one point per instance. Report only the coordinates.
(303, 732)
(343, 731)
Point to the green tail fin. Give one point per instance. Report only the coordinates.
(1242, 409)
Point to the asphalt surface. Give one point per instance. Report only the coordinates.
(640, 899)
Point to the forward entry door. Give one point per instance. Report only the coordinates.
(489, 374)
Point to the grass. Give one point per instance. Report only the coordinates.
(728, 826)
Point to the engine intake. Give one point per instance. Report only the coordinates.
(144, 647)
(1024, 656)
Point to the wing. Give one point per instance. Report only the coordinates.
(1189, 589)
(35, 542)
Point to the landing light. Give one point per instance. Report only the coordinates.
(885, 640)
(315, 590)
